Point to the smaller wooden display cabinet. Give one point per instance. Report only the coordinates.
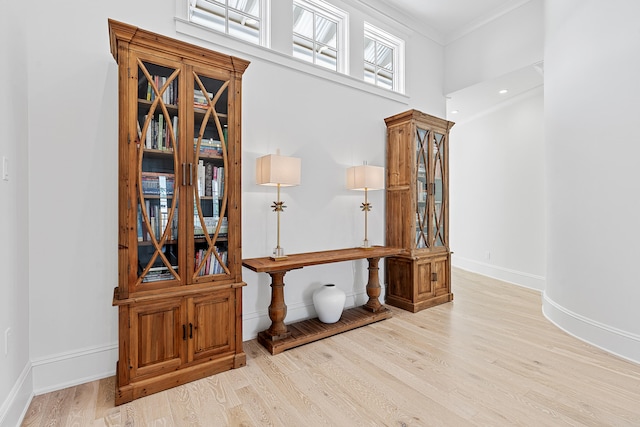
(417, 211)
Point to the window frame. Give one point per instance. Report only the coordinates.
(280, 57)
(397, 45)
(332, 13)
(264, 6)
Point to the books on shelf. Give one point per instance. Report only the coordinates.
(210, 224)
(208, 174)
(215, 197)
(150, 182)
(159, 136)
(170, 94)
(200, 177)
(158, 222)
(208, 146)
(149, 135)
(211, 264)
(156, 274)
(174, 225)
(200, 99)
(175, 130)
(141, 232)
(210, 180)
(154, 227)
(163, 209)
(161, 185)
(218, 183)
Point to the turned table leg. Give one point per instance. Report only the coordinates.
(277, 308)
(373, 286)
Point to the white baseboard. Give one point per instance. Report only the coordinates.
(72, 368)
(55, 372)
(15, 407)
(63, 370)
(615, 341)
(620, 343)
(519, 278)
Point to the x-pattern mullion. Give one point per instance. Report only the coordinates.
(422, 158)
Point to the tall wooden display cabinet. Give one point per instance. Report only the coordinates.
(417, 211)
(179, 293)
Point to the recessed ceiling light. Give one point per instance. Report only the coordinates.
(454, 112)
(503, 91)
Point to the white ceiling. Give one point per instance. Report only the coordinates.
(451, 19)
(483, 97)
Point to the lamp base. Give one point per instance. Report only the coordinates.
(278, 254)
(366, 245)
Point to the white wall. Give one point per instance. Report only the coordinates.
(329, 130)
(72, 195)
(498, 201)
(498, 194)
(591, 133)
(508, 43)
(15, 377)
(72, 175)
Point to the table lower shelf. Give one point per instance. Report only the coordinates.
(310, 330)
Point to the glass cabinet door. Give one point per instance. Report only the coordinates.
(430, 202)
(422, 188)
(438, 214)
(210, 194)
(157, 162)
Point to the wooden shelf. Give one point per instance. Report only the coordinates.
(310, 330)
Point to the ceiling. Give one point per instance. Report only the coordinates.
(486, 96)
(450, 19)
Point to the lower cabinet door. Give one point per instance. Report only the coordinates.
(169, 334)
(211, 324)
(433, 278)
(157, 337)
(424, 280)
(440, 275)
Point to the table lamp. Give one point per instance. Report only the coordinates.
(278, 171)
(365, 178)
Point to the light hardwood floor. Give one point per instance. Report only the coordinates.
(489, 358)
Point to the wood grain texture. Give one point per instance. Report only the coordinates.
(295, 261)
(310, 330)
(417, 211)
(487, 359)
(279, 336)
(186, 325)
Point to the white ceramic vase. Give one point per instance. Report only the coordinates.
(328, 301)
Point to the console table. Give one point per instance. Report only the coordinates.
(280, 337)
